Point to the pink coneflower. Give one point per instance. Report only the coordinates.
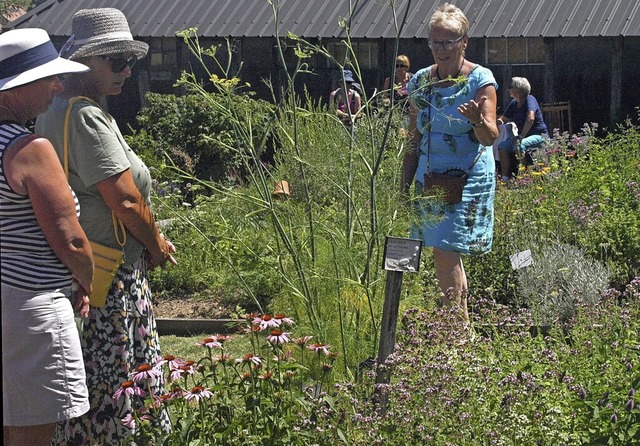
(146, 372)
(319, 348)
(252, 329)
(128, 388)
(223, 338)
(283, 319)
(250, 358)
(302, 341)
(197, 393)
(266, 321)
(211, 342)
(129, 421)
(266, 376)
(186, 368)
(171, 361)
(278, 337)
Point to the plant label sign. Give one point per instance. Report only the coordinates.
(402, 254)
(521, 259)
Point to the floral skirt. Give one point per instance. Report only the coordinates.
(116, 340)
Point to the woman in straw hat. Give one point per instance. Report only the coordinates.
(110, 179)
(44, 251)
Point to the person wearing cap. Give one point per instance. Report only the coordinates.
(44, 251)
(109, 177)
(346, 105)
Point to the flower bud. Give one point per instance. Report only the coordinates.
(629, 406)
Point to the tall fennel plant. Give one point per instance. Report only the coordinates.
(328, 253)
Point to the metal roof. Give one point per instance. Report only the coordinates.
(371, 18)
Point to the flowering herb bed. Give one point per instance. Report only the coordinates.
(450, 384)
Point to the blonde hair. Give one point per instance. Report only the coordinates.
(451, 18)
(404, 60)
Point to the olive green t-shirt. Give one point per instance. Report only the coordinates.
(97, 151)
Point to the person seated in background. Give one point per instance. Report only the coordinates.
(340, 100)
(524, 111)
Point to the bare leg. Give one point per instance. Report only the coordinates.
(452, 279)
(505, 163)
(39, 435)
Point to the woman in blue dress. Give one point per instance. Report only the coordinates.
(453, 120)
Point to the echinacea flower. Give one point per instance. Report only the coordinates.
(147, 372)
(223, 338)
(278, 337)
(302, 341)
(185, 368)
(319, 348)
(171, 361)
(265, 321)
(128, 388)
(129, 421)
(197, 393)
(283, 319)
(211, 342)
(250, 358)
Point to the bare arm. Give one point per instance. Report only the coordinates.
(36, 171)
(531, 118)
(410, 159)
(482, 111)
(122, 196)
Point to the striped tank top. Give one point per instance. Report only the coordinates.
(27, 261)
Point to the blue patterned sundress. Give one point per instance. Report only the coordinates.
(465, 227)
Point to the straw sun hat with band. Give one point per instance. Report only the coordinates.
(27, 55)
(101, 32)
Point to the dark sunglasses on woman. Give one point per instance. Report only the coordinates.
(119, 63)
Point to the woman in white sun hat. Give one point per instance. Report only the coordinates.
(44, 251)
(119, 336)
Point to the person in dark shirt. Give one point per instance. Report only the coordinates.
(524, 111)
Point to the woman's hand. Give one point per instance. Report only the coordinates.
(472, 110)
(167, 256)
(80, 301)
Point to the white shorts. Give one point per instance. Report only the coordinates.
(43, 378)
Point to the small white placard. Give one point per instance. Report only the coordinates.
(521, 259)
(402, 254)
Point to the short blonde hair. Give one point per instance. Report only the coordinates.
(451, 18)
(404, 60)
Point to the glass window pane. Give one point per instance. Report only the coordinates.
(517, 50)
(535, 50)
(497, 50)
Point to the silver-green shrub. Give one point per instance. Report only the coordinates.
(560, 278)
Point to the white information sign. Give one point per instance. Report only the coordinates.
(521, 259)
(402, 254)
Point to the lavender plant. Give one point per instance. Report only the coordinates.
(560, 279)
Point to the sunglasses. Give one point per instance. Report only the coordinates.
(399, 65)
(119, 63)
(446, 45)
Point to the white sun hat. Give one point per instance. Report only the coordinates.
(27, 55)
